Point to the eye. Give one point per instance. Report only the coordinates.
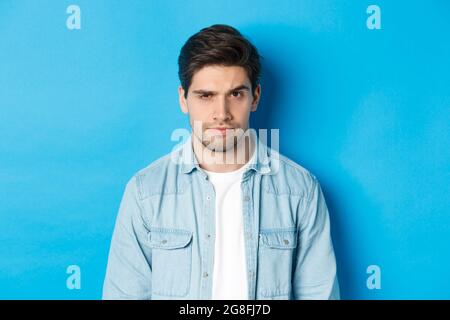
(205, 96)
(237, 94)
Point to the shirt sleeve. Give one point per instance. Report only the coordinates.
(314, 274)
(128, 273)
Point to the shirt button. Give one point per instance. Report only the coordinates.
(208, 236)
(164, 241)
(205, 274)
(286, 241)
(208, 198)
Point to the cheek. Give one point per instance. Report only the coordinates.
(197, 112)
(198, 119)
(242, 112)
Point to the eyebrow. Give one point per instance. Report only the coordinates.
(238, 88)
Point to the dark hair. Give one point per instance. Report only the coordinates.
(218, 44)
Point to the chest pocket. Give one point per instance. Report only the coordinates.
(171, 261)
(279, 239)
(275, 262)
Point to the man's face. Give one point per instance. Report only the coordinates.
(219, 97)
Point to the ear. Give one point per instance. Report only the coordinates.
(256, 98)
(182, 100)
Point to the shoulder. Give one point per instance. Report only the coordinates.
(289, 177)
(160, 176)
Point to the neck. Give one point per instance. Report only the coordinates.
(226, 161)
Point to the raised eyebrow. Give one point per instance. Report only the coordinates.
(240, 88)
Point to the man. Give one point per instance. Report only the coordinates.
(224, 216)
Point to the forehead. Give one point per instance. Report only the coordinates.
(218, 77)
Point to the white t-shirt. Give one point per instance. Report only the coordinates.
(230, 266)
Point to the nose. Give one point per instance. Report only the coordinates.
(221, 111)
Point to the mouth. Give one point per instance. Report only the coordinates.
(221, 130)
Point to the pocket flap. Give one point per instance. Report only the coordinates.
(279, 238)
(162, 238)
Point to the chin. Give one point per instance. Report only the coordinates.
(218, 147)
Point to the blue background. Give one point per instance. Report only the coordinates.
(367, 111)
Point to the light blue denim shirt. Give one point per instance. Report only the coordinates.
(163, 242)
